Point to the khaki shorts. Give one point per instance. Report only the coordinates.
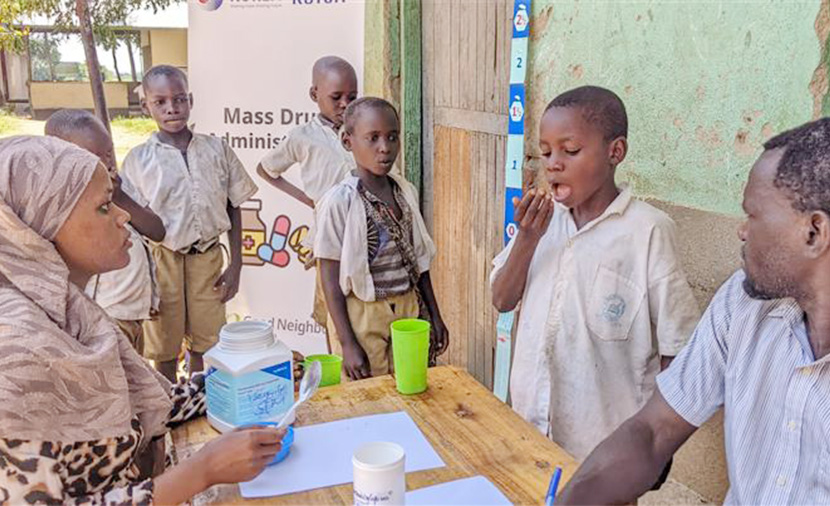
(190, 310)
(135, 333)
(370, 323)
(320, 313)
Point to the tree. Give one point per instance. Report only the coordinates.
(45, 56)
(12, 37)
(128, 39)
(95, 19)
(96, 80)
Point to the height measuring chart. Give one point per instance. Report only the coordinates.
(513, 174)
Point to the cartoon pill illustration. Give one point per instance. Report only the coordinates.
(279, 235)
(278, 258)
(274, 252)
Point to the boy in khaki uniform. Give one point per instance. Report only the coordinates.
(127, 295)
(196, 184)
(374, 248)
(316, 149)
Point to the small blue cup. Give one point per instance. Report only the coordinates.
(287, 441)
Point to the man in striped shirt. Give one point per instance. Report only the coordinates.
(762, 351)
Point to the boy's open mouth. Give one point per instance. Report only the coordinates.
(560, 191)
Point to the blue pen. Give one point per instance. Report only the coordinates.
(554, 485)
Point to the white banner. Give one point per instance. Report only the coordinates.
(249, 64)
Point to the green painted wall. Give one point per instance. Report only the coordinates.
(374, 40)
(705, 83)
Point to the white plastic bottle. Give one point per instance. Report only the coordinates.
(250, 376)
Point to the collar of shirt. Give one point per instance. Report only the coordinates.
(377, 201)
(156, 142)
(616, 208)
(789, 311)
(352, 180)
(325, 123)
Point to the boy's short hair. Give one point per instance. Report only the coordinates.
(354, 109)
(162, 70)
(600, 106)
(330, 64)
(66, 123)
(804, 168)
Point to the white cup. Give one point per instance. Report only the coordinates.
(379, 476)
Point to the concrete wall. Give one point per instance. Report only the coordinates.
(705, 83)
(167, 46)
(50, 96)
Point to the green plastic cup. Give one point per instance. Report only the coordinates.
(410, 349)
(330, 364)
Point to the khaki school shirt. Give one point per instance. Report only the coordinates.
(600, 306)
(190, 198)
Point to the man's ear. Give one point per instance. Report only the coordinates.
(817, 234)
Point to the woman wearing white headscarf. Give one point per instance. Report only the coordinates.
(78, 406)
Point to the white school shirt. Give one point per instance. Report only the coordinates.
(190, 198)
(600, 306)
(754, 358)
(129, 293)
(316, 149)
(342, 230)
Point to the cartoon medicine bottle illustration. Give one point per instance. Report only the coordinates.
(253, 232)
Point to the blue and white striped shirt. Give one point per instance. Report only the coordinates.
(754, 358)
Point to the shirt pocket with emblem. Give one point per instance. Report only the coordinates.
(613, 304)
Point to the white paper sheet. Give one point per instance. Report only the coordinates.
(475, 491)
(321, 455)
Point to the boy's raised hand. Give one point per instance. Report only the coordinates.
(533, 214)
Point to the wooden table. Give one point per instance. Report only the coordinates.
(472, 431)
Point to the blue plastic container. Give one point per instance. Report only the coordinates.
(287, 441)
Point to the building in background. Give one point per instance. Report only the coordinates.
(51, 74)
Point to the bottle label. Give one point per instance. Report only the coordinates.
(258, 396)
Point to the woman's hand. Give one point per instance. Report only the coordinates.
(233, 457)
(239, 455)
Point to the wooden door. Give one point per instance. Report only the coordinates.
(466, 52)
